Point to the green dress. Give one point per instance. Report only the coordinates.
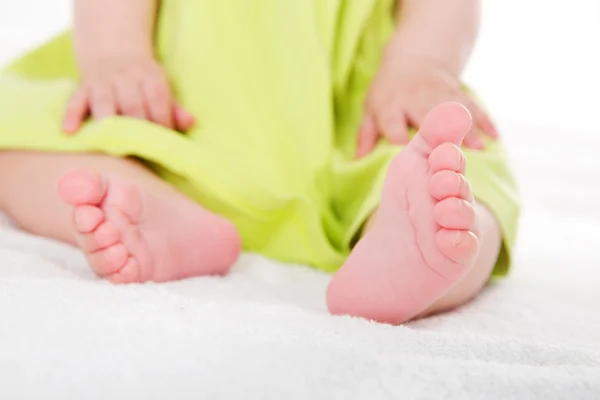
(277, 88)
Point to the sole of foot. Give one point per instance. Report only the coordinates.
(424, 237)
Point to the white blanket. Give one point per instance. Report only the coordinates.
(263, 332)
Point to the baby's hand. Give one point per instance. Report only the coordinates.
(405, 89)
(132, 87)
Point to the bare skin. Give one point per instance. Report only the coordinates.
(466, 289)
(429, 247)
(119, 71)
(132, 226)
(421, 69)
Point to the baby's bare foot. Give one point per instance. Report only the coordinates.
(424, 237)
(131, 235)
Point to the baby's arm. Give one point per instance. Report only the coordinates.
(421, 68)
(442, 30)
(114, 46)
(113, 28)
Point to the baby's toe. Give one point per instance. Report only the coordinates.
(87, 218)
(80, 186)
(105, 235)
(447, 183)
(460, 246)
(128, 274)
(109, 260)
(455, 213)
(447, 156)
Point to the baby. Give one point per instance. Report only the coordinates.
(194, 128)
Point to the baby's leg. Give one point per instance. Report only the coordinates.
(132, 226)
(429, 247)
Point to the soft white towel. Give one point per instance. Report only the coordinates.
(263, 331)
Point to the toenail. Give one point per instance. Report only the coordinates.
(457, 239)
(459, 183)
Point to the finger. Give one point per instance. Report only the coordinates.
(102, 101)
(184, 121)
(367, 137)
(395, 127)
(416, 115)
(158, 102)
(472, 140)
(77, 111)
(129, 99)
(481, 119)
